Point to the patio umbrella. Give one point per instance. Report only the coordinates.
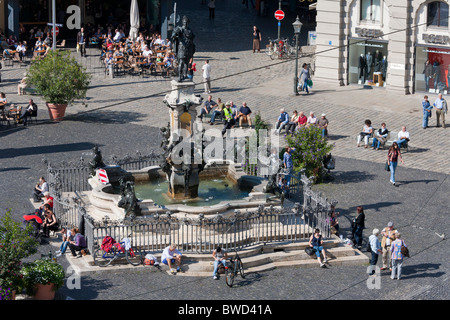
(134, 19)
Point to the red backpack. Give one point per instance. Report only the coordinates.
(107, 243)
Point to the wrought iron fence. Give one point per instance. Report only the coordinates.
(201, 235)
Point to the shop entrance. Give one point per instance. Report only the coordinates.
(367, 63)
(432, 72)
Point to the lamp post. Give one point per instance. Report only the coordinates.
(297, 28)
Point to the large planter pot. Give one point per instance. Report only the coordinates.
(44, 292)
(56, 111)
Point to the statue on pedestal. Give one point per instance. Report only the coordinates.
(184, 47)
(97, 161)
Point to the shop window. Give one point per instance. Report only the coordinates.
(371, 10)
(367, 62)
(437, 14)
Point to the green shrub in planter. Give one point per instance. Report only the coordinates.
(310, 150)
(15, 245)
(43, 271)
(59, 78)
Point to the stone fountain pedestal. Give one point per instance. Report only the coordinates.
(183, 168)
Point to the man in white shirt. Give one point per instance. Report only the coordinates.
(207, 76)
(146, 51)
(117, 36)
(441, 109)
(20, 49)
(39, 189)
(170, 256)
(311, 119)
(403, 137)
(158, 42)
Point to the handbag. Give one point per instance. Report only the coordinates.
(309, 83)
(386, 167)
(404, 250)
(310, 251)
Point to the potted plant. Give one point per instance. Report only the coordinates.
(310, 149)
(15, 245)
(60, 80)
(42, 278)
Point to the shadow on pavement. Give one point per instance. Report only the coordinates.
(40, 150)
(352, 176)
(107, 117)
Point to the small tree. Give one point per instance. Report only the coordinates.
(15, 245)
(310, 150)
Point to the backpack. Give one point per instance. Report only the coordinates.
(107, 243)
(368, 248)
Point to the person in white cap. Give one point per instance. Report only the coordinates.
(322, 123)
(388, 237)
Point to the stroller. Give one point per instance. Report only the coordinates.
(36, 220)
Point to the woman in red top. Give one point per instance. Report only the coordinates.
(392, 158)
(47, 200)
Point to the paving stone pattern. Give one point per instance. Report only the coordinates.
(124, 115)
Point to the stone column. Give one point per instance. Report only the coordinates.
(329, 66)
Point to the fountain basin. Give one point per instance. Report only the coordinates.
(243, 192)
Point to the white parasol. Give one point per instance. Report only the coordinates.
(134, 19)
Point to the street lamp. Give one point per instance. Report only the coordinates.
(297, 28)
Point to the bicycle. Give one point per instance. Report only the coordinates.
(104, 257)
(271, 48)
(234, 268)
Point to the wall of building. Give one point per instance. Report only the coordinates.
(339, 20)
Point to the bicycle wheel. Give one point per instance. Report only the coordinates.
(241, 268)
(134, 256)
(229, 276)
(274, 54)
(103, 258)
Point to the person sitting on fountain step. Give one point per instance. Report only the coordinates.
(207, 107)
(220, 256)
(39, 190)
(217, 111)
(244, 115)
(170, 256)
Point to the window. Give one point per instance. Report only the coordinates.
(437, 14)
(370, 10)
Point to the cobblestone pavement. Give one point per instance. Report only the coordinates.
(123, 115)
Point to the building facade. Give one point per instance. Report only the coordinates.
(384, 43)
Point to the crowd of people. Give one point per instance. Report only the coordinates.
(146, 50)
(231, 114)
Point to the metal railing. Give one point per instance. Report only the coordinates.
(199, 235)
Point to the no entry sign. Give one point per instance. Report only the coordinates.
(56, 31)
(279, 14)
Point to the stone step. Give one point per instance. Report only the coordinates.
(280, 258)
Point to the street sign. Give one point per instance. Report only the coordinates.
(56, 30)
(279, 14)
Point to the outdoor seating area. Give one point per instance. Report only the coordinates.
(143, 56)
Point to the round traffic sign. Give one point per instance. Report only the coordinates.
(279, 14)
(56, 31)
